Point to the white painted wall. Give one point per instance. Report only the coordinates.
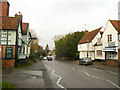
(110, 30)
(19, 35)
(102, 57)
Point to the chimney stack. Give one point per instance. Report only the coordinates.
(4, 4)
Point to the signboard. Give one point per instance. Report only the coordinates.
(111, 44)
(9, 52)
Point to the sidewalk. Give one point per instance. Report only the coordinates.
(104, 67)
(29, 77)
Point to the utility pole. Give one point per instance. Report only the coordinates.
(87, 47)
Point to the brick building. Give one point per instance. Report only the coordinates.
(11, 35)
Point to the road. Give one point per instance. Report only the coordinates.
(63, 74)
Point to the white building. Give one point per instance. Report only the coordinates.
(86, 46)
(110, 40)
(24, 50)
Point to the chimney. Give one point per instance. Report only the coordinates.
(5, 7)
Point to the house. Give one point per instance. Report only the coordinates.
(24, 50)
(110, 42)
(86, 44)
(10, 39)
(14, 35)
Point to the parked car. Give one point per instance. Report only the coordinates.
(45, 58)
(49, 58)
(85, 61)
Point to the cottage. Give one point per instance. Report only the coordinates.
(24, 50)
(10, 40)
(14, 35)
(110, 42)
(86, 45)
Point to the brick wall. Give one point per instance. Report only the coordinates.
(3, 52)
(8, 63)
(112, 63)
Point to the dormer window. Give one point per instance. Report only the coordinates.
(99, 41)
(110, 38)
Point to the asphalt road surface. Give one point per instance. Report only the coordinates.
(63, 74)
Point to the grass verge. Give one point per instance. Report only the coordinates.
(6, 86)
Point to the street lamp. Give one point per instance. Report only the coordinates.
(87, 47)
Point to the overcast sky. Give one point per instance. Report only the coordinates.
(59, 17)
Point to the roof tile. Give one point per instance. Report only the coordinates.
(89, 36)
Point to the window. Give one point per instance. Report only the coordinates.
(23, 49)
(20, 49)
(109, 38)
(99, 41)
(99, 52)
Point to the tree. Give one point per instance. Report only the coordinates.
(46, 50)
(67, 45)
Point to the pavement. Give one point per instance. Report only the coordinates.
(29, 77)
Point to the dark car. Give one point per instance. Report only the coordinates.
(85, 61)
(49, 58)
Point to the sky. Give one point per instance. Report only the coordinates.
(49, 18)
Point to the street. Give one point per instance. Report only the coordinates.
(64, 74)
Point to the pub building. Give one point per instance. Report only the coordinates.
(10, 36)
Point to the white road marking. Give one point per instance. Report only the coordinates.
(53, 72)
(113, 83)
(73, 68)
(87, 73)
(58, 80)
(99, 78)
(113, 73)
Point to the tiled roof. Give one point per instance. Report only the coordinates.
(10, 23)
(116, 24)
(25, 28)
(89, 36)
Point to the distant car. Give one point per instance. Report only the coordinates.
(45, 58)
(49, 58)
(85, 61)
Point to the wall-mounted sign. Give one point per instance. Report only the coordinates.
(111, 44)
(9, 52)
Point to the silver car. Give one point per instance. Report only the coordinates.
(85, 61)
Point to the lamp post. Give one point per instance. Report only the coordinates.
(87, 47)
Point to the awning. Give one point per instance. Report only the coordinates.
(109, 50)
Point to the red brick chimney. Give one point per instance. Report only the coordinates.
(5, 8)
